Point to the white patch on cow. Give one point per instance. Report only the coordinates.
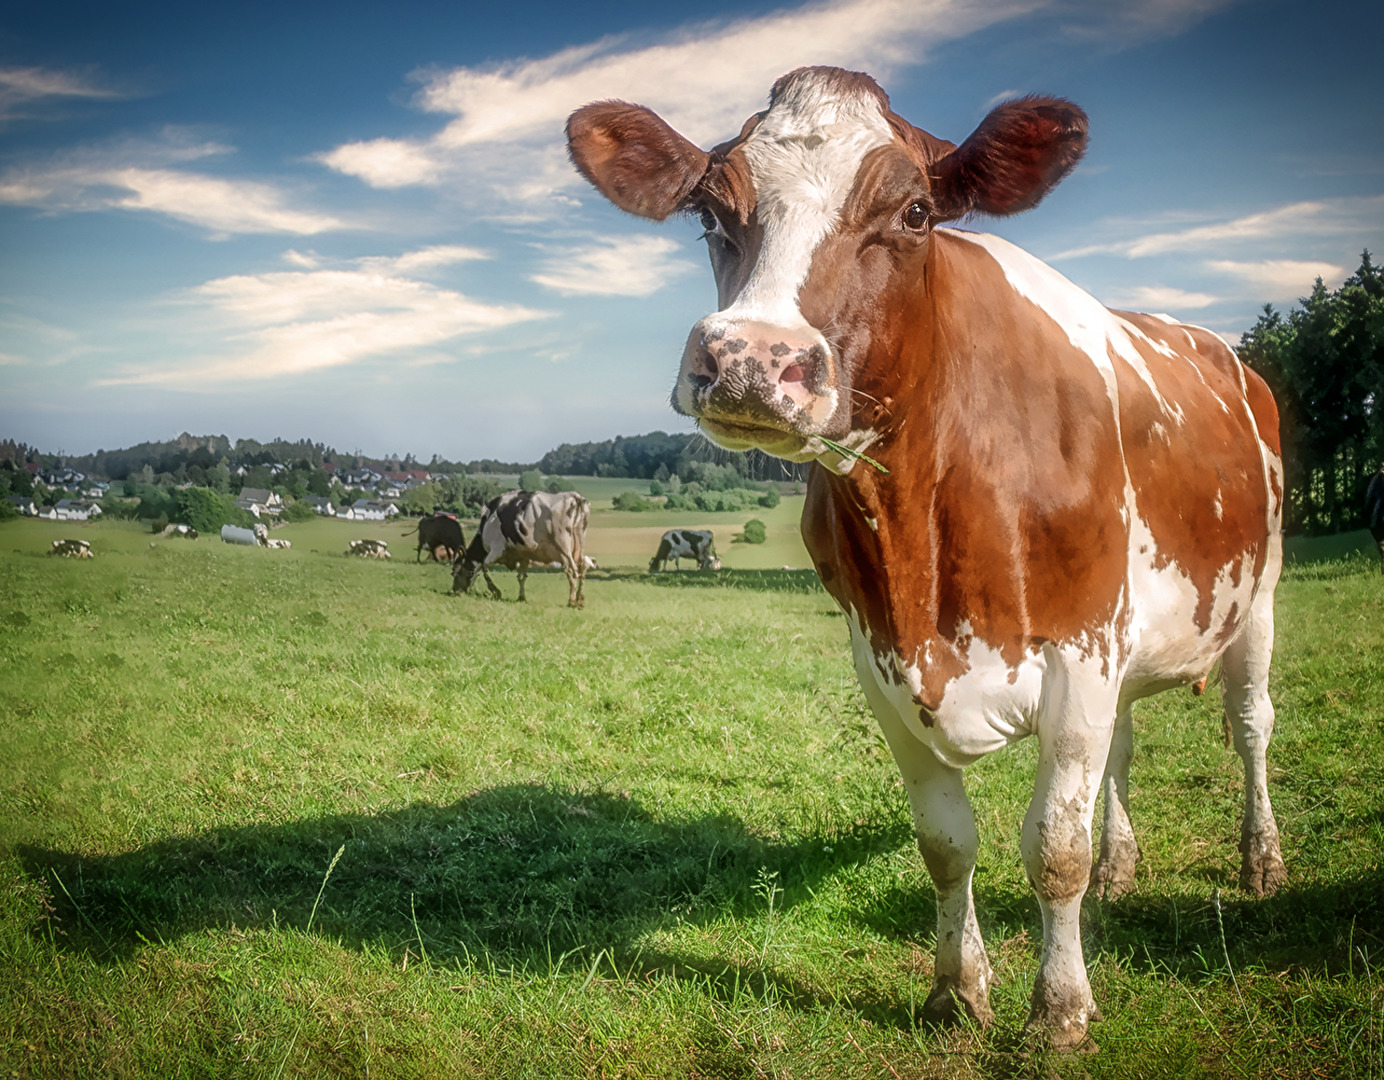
(1089, 325)
(985, 708)
(1217, 507)
(803, 156)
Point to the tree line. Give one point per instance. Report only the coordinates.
(1324, 362)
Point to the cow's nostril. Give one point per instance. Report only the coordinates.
(706, 360)
(793, 373)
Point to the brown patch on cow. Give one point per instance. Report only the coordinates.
(1200, 482)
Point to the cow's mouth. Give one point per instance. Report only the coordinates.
(772, 440)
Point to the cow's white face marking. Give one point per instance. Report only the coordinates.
(803, 156)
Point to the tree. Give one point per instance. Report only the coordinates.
(199, 507)
(755, 532)
(531, 480)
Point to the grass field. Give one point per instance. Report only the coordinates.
(287, 814)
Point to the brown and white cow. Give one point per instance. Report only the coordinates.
(1081, 506)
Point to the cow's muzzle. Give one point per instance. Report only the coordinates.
(753, 383)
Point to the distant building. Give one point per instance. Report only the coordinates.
(75, 510)
(321, 505)
(260, 501)
(24, 504)
(368, 510)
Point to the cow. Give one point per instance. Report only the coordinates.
(275, 544)
(1033, 510)
(678, 544)
(440, 535)
(1374, 512)
(369, 549)
(523, 527)
(71, 549)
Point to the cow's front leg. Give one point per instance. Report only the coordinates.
(1113, 875)
(489, 584)
(946, 831)
(1074, 733)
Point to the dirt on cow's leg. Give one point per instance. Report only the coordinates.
(1250, 717)
(1113, 874)
(489, 584)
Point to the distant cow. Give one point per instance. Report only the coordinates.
(369, 549)
(278, 545)
(440, 535)
(71, 549)
(1374, 512)
(523, 527)
(678, 544)
(187, 532)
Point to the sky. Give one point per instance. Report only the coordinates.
(355, 222)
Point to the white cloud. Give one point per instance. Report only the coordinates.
(616, 266)
(1350, 215)
(1161, 298)
(297, 321)
(1280, 279)
(21, 86)
(139, 177)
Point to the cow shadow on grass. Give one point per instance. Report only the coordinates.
(782, 581)
(519, 874)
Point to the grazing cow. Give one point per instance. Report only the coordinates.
(369, 549)
(1063, 508)
(71, 549)
(186, 532)
(440, 535)
(1374, 512)
(678, 544)
(523, 527)
(275, 544)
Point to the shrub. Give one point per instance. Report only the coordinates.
(655, 488)
(297, 511)
(531, 480)
(555, 484)
(159, 523)
(770, 499)
(201, 508)
(631, 500)
(8, 511)
(755, 532)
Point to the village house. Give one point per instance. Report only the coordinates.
(74, 510)
(24, 504)
(368, 510)
(260, 501)
(320, 504)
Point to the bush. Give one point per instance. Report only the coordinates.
(770, 499)
(201, 508)
(297, 511)
(531, 480)
(655, 488)
(555, 484)
(631, 500)
(755, 532)
(8, 511)
(158, 524)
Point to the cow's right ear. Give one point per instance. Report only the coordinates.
(633, 158)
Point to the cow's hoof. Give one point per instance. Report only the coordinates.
(1262, 876)
(1062, 1019)
(948, 1005)
(1113, 874)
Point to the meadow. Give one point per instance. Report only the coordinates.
(289, 814)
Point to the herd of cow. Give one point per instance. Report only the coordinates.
(1065, 508)
(520, 529)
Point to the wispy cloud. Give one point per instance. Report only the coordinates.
(23, 87)
(617, 266)
(1161, 298)
(297, 321)
(505, 134)
(1350, 215)
(1280, 279)
(142, 177)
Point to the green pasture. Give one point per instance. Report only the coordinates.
(289, 814)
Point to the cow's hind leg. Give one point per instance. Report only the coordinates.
(522, 573)
(1075, 728)
(489, 584)
(1113, 874)
(1249, 714)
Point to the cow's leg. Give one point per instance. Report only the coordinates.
(522, 573)
(489, 584)
(1249, 712)
(1113, 875)
(946, 831)
(1074, 734)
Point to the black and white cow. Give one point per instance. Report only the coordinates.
(523, 527)
(1374, 512)
(678, 544)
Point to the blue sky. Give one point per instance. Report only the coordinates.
(355, 222)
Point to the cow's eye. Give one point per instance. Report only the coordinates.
(915, 217)
(710, 223)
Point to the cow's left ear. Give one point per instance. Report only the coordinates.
(1018, 154)
(634, 158)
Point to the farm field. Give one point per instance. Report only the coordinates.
(288, 814)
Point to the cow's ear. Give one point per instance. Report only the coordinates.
(633, 158)
(1016, 156)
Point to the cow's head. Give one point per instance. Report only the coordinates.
(822, 205)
